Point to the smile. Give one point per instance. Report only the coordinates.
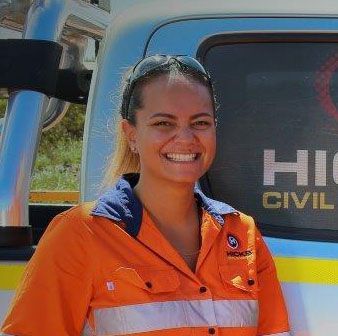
(181, 157)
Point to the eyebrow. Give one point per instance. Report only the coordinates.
(171, 116)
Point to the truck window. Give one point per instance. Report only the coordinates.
(277, 155)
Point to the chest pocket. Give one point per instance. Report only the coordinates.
(239, 281)
(151, 280)
(142, 302)
(133, 285)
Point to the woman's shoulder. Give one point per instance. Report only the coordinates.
(74, 220)
(240, 219)
(79, 212)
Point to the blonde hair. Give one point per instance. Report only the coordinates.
(123, 160)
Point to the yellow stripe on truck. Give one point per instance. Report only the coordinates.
(54, 197)
(297, 270)
(10, 275)
(306, 270)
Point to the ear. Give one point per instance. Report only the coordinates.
(129, 131)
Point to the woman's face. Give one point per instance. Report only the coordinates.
(175, 130)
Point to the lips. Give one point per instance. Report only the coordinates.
(179, 157)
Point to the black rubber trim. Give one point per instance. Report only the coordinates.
(293, 233)
(29, 64)
(15, 236)
(268, 230)
(17, 253)
(34, 65)
(264, 37)
(73, 86)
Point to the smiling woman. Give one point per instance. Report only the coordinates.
(171, 75)
(174, 134)
(154, 255)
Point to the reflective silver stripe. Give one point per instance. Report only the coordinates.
(242, 313)
(278, 334)
(87, 330)
(175, 314)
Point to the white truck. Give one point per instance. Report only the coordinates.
(274, 66)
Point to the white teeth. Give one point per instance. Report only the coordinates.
(181, 157)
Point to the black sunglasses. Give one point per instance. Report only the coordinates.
(157, 63)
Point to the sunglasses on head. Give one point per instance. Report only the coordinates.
(158, 63)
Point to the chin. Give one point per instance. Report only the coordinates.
(183, 178)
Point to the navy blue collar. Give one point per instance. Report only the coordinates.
(120, 204)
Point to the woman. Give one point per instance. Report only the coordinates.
(154, 256)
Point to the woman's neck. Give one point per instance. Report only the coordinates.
(167, 202)
(173, 210)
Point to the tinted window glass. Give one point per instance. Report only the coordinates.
(277, 131)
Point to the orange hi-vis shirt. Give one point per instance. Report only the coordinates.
(108, 270)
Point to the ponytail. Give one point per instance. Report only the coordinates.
(123, 160)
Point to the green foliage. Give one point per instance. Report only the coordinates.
(70, 127)
(57, 166)
(3, 103)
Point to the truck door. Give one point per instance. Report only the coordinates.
(276, 82)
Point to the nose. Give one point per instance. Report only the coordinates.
(185, 134)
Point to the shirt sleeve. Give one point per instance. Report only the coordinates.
(55, 290)
(273, 317)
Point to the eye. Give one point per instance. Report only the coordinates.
(201, 124)
(163, 123)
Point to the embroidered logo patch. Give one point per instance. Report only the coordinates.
(239, 254)
(233, 241)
